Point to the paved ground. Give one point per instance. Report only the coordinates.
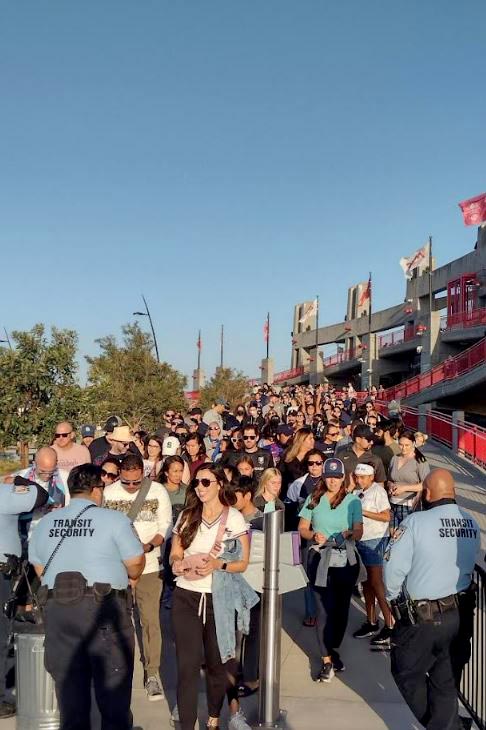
(363, 697)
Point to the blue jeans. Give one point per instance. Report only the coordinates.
(310, 602)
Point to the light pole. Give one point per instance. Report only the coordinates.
(7, 340)
(147, 314)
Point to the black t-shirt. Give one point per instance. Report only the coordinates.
(261, 458)
(350, 460)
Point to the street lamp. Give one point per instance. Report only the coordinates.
(147, 314)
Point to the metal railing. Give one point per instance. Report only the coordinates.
(472, 691)
(288, 374)
(447, 370)
(471, 318)
(405, 334)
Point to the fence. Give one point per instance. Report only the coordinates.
(447, 370)
(395, 338)
(471, 318)
(473, 685)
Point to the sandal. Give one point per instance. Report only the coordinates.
(310, 622)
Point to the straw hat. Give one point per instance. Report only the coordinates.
(122, 433)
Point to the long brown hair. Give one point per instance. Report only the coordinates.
(297, 442)
(191, 516)
(321, 489)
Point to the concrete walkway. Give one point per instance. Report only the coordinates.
(364, 697)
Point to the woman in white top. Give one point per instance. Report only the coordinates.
(371, 547)
(195, 533)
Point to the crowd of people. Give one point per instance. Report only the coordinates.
(345, 473)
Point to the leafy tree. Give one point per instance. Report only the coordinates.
(225, 383)
(128, 381)
(38, 385)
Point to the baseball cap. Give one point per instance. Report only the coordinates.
(112, 423)
(364, 470)
(170, 445)
(195, 411)
(220, 402)
(285, 429)
(333, 468)
(87, 430)
(363, 431)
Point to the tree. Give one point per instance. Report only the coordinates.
(226, 383)
(128, 381)
(38, 385)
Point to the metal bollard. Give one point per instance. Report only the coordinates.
(271, 625)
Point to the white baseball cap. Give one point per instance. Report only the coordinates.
(170, 445)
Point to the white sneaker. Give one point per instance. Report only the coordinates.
(238, 722)
(154, 689)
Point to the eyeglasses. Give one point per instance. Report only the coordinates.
(133, 482)
(109, 474)
(315, 463)
(204, 482)
(249, 438)
(214, 428)
(236, 441)
(62, 435)
(169, 415)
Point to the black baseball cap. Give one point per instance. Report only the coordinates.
(112, 423)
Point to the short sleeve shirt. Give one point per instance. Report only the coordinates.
(96, 543)
(374, 499)
(76, 455)
(411, 471)
(13, 501)
(203, 543)
(330, 521)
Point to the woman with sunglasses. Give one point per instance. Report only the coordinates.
(110, 471)
(297, 493)
(209, 501)
(332, 520)
(153, 459)
(194, 453)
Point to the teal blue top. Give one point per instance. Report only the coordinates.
(330, 521)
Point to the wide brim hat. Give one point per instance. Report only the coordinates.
(122, 433)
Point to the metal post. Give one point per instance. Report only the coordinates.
(152, 328)
(271, 625)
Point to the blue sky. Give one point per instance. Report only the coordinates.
(230, 158)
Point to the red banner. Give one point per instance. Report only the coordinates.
(266, 331)
(474, 210)
(365, 294)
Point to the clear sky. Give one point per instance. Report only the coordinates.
(228, 158)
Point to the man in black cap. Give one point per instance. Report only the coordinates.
(100, 448)
(87, 434)
(284, 436)
(359, 453)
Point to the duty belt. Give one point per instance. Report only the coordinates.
(91, 591)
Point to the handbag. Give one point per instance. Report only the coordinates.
(192, 563)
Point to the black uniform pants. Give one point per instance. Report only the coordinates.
(5, 629)
(91, 643)
(333, 603)
(422, 669)
(191, 634)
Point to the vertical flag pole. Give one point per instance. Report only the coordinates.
(199, 351)
(370, 378)
(222, 345)
(268, 335)
(431, 302)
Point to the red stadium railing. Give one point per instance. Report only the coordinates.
(395, 338)
(447, 370)
(472, 318)
(288, 374)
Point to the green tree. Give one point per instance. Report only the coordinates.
(38, 385)
(226, 383)
(127, 380)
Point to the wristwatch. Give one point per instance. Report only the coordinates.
(224, 566)
(152, 547)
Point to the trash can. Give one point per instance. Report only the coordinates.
(36, 697)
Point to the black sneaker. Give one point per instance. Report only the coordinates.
(367, 629)
(7, 709)
(382, 638)
(337, 662)
(326, 673)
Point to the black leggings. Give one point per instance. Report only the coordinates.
(190, 633)
(333, 607)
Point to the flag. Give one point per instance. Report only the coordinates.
(310, 310)
(266, 330)
(474, 210)
(414, 261)
(365, 292)
(199, 343)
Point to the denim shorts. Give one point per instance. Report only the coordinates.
(372, 551)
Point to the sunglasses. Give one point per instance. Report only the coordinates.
(109, 474)
(62, 435)
(315, 463)
(236, 441)
(204, 482)
(333, 433)
(133, 482)
(214, 428)
(249, 438)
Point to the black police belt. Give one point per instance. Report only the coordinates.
(95, 591)
(71, 587)
(409, 611)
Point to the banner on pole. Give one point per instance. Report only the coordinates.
(310, 310)
(414, 261)
(474, 210)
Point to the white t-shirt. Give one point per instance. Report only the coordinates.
(374, 499)
(154, 518)
(203, 543)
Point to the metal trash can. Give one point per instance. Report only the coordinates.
(36, 697)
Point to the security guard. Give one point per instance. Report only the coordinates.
(428, 574)
(85, 556)
(21, 496)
